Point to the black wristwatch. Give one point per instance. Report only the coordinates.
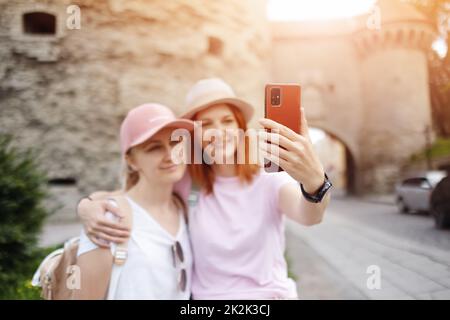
(318, 196)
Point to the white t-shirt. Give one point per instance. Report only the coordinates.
(148, 272)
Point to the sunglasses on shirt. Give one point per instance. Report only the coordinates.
(178, 260)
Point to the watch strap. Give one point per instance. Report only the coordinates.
(318, 196)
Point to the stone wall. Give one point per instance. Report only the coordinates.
(67, 94)
(321, 57)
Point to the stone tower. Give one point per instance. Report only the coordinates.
(364, 84)
(394, 79)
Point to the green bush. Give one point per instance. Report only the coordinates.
(23, 289)
(440, 148)
(22, 190)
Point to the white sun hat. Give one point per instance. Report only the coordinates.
(212, 91)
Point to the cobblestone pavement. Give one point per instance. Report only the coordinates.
(330, 260)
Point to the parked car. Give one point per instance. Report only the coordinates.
(414, 193)
(440, 203)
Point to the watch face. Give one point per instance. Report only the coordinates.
(325, 188)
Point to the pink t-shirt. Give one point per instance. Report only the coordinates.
(237, 237)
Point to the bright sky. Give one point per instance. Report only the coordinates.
(440, 46)
(316, 9)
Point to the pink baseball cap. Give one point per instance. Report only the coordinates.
(142, 122)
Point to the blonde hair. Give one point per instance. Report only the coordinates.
(128, 177)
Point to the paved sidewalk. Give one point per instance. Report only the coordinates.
(380, 198)
(409, 269)
(388, 199)
(316, 278)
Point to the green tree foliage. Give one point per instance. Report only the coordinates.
(22, 190)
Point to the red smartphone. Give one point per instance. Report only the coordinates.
(282, 104)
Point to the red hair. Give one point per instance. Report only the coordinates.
(203, 175)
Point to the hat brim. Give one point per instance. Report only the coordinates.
(246, 108)
(176, 124)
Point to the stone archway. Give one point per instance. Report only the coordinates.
(338, 161)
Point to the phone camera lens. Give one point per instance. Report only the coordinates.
(275, 94)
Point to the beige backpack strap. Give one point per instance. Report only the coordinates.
(121, 252)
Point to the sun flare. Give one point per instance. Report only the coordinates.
(316, 9)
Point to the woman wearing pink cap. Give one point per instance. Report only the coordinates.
(157, 256)
(236, 226)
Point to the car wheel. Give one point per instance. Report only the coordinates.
(441, 218)
(402, 207)
(440, 203)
